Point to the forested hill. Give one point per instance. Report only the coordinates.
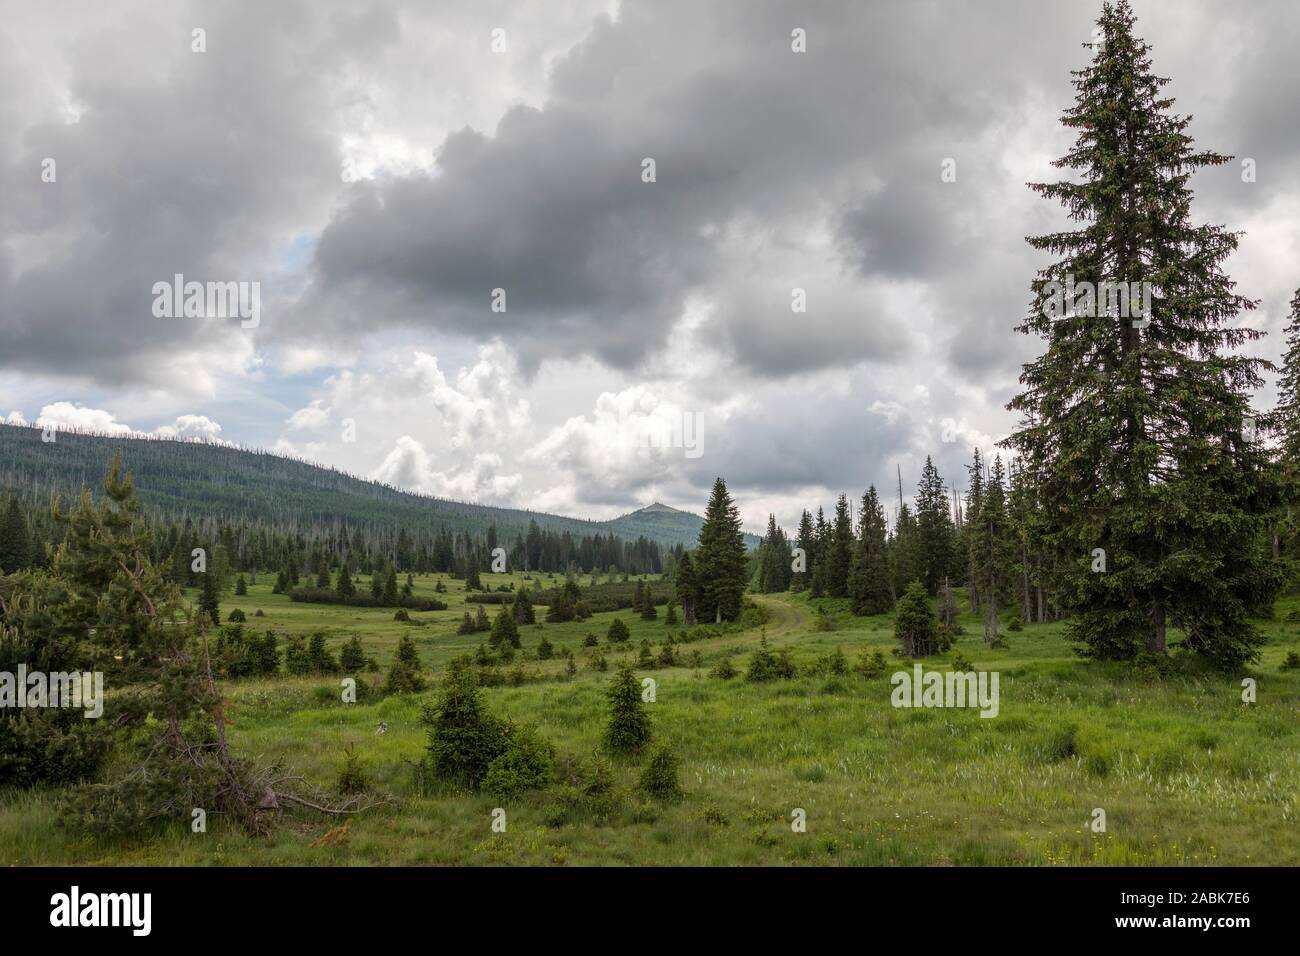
(180, 479)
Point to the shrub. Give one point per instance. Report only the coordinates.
(403, 615)
(260, 613)
(296, 659)
(724, 669)
(960, 664)
(237, 617)
(618, 632)
(765, 665)
(527, 763)
(505, 632)
(915, 625)
(1292, 661)
(628, 729)
(873, 665)
(659, 778)
(646, 658)
(591, 640)
(352, 778)
(406, 676)
(597, 661)
(467, 625)
(823, 622)
(545, 650)
(352, 656)
(241, 587)
(833, 663)
(667, 657)
(464, 739)
(322, 661)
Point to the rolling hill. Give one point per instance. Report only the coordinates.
(196, 479)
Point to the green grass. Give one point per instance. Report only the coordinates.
(1186, 773)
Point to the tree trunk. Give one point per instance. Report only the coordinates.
(1156, 640)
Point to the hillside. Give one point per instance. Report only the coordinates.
(200, 480)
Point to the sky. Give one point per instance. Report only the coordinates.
(581, 255)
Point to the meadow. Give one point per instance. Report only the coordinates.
(1185, 771)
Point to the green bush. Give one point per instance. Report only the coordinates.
(659, 778)
(464, 739)
(527, 763)
(618, 632)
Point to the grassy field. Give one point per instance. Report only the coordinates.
(1185, 771)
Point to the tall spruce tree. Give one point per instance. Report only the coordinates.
(1135, 428)
(1285, 421)
(869, 588)
(974, 498)
(935, 534)
(799, 580)
(687, 588)
(720, 561)
(817, 556)
(992, 550)
(839, 556)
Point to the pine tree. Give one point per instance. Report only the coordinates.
(817, 556)
(974, 500)
(935, 535)
(504, 630)
(628, 729)
(915, 625)
(800, 580)
(1135, 428)
(648, 611)
(1285, 420)
(523, 608)
(241, 587)
(15, 546)
(839, 555)
(345, 588)
(687, 588)
(992, 550)
(869, 588)
(905, 559)
(209, 601)
(720, 560)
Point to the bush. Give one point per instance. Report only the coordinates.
(591, 640)
(296, 659)
(352, 656)
(237, 617)
(1292, 661)
(766, 666)
(646, 658)
(241, 587)
(545, 650)
(322, 661)
(328, 596)
(403, 615)
(915, 625)
(352, 778)
(628, 729)
(260, 613)
(873, 665)
(527, 763)
(659, 778)
(464, 739)
(406, 675)
(833, 663)
(724, 669)
(618, 632)
(505, 631)
(960, 664)
(597, 661)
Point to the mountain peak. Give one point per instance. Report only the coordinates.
(659, 506)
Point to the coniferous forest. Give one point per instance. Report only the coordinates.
(1075, 644)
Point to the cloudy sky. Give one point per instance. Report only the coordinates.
(379, 169)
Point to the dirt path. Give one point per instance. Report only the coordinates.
(785, 617)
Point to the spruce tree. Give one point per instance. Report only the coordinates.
(687, 588)
(992, 550)
(936, 538)
(839, 556)
(523, 608)
(915, 625)
(799, 580)
(209, 601)
(720, 560)
(628, 728)
(504, 630)
(817, 556)
(974, 499)
(869, 588)
(1285, 421)
(15, 546)
(345, 588)
(1136, 428)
